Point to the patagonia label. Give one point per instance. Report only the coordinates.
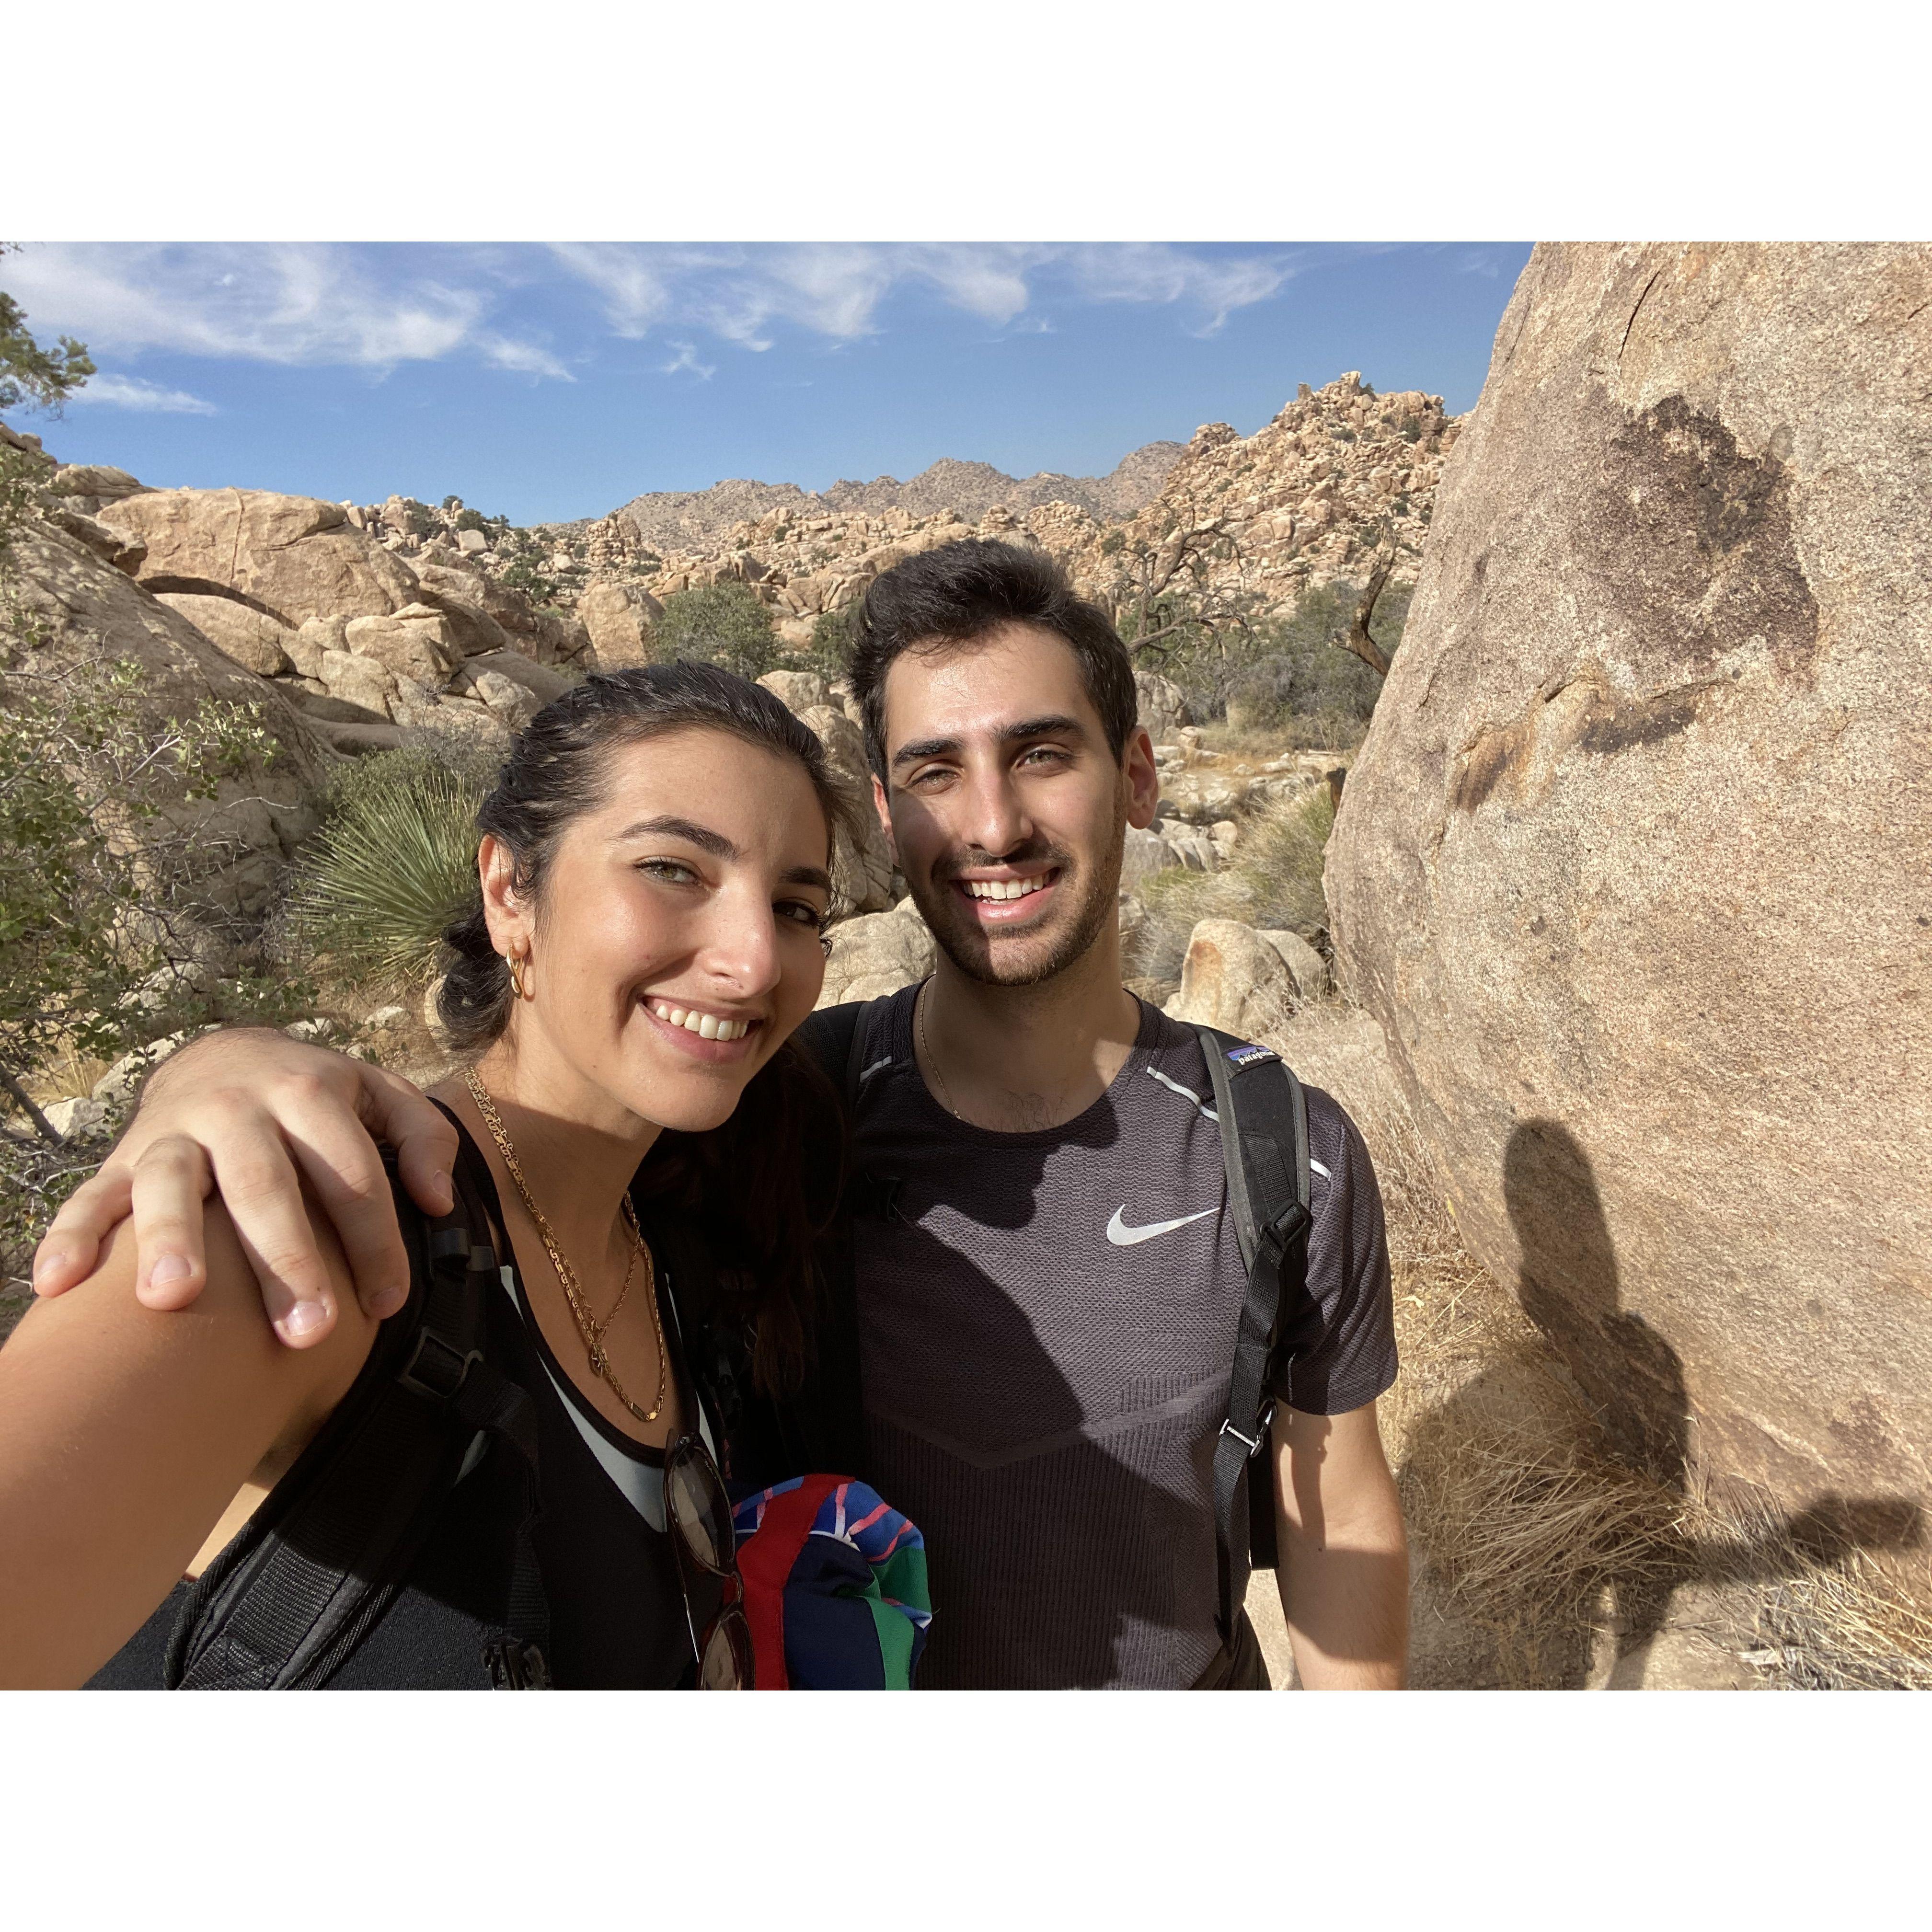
(1243, 1057)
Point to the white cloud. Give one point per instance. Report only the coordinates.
(686, 358)
(1158, 271)
(526, 358)
(289, 303)
(130, 392)
(835, 290)
(374, 308)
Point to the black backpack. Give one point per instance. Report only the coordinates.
(286, 1603)
(1263, 1116)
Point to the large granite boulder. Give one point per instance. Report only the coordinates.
(1632, 867)
(459, 588)
(862, 868)
(239, 630)
(877, 954)
(1234, 978)
(619, 617)
(296, 557)
(69, 607)
(1163, 705)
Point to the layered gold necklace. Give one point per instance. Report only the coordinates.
(592, 1330)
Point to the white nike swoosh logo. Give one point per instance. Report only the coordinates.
(1122, 1236)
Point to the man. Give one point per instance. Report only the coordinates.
(1047, 1272)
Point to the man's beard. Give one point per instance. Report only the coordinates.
(1031, 959)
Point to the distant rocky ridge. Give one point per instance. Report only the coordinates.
(689, 519)
(1340, 476)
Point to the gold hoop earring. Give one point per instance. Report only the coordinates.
(517, 976)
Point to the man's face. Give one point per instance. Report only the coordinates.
(1006, 808)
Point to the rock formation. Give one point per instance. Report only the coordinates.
(1313, 497)
(296, 557)
(362, 641)
(71, 607)
(1632, 868)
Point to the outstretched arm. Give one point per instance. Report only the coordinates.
(1344, 1554)
(123, 1435)
(252, 1115)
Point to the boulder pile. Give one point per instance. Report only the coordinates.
(360, 639)
(1313, 496)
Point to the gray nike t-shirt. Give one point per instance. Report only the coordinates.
(1047, 1324)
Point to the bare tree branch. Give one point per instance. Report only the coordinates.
(44, 1127)
(1357, 639)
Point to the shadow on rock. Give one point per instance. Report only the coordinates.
(1554, 1489)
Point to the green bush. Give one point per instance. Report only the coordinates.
(1288, 670)
(522, 574)
(471, 520)
(721, 624)
(106, 925)
(394, 862)
(829, 654)
(1274, 884)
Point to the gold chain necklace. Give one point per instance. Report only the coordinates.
(592, 1330)
(932, 1065)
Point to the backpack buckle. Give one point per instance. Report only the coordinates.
(435, 1370)
(1254, 1442)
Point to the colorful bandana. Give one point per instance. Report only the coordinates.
(835, 1587)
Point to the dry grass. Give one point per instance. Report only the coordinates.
(1542, 1547)
(1520, 1522)
(1308, 731)
(1826, 1618)
(1275, 881)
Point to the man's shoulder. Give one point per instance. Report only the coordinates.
(830, 1034)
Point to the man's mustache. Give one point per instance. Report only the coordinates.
(1031, 853)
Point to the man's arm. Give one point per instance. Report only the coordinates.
(253, 1113)
(1344, 1554)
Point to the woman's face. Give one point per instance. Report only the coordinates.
(677, 943)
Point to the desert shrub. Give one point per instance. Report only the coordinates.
(107, 939)
(829, 653)
(470, 520)
(1275, 884)
(1289, 670)
(394, 860)
(721, 624)
(521, 573)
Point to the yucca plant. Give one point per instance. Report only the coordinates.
(394, 862)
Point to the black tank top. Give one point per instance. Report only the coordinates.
(617, 1615)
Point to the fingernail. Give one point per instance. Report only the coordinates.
(388, 1301)
(303, 1318)
(45, 1264)
(445, 1190)
(169, 1267)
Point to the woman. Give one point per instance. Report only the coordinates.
(655, 884)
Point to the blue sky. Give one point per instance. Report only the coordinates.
(556, 380)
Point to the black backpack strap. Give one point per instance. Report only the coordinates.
(1264, 1120)
(322, 1559)
(835, 1038)
(824, 1425)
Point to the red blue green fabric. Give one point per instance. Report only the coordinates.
(835, 1587)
